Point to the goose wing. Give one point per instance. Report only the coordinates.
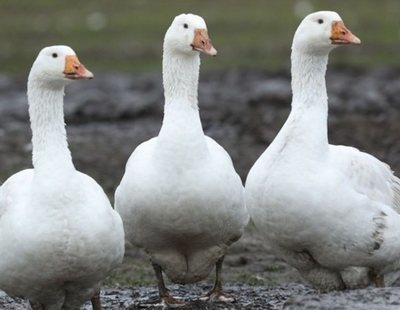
(368, 175)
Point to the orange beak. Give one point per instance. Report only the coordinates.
(341, 35)
(202, 42)
(74, 70)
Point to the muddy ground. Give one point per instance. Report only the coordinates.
(242, 110)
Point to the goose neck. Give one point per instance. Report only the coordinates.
(306, 127)
(181, 136)
(308, 80)
(180, 77)
(49, 140)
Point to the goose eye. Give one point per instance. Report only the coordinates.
(185, 26)
(55, 55)
(320, 21)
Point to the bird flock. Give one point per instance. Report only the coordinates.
(330, 211)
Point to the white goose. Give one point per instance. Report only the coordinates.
(324, 208)
(59, 236)
(180, 197)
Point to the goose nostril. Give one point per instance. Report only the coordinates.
(344, 32)
(203, 42)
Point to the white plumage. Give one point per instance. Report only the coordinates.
(324, 208)
(180, 197)
(59, 236)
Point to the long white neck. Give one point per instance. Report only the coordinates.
(306, 126)
(308, 81)
(49, 140)
(180, 77)
(181, 130)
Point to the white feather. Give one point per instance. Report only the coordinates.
(180, 197)
(59, 236)
(323, 208)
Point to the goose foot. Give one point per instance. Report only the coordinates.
(171, 302)
(217, 293)
(96, 303)
(165, 296)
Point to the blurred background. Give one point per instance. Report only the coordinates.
(126, 35)
(244, 93)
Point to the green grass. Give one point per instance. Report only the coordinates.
(247, 33)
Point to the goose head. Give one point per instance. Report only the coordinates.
(188, 35)
(58, 65)
(320, 32)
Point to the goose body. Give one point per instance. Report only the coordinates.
(180, 198)
(330, 211)
(185, 214)
(59, 236)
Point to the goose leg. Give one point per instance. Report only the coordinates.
(36, 306)
(164, 292)
(96, 303)
(376, 278)
(217, 293)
